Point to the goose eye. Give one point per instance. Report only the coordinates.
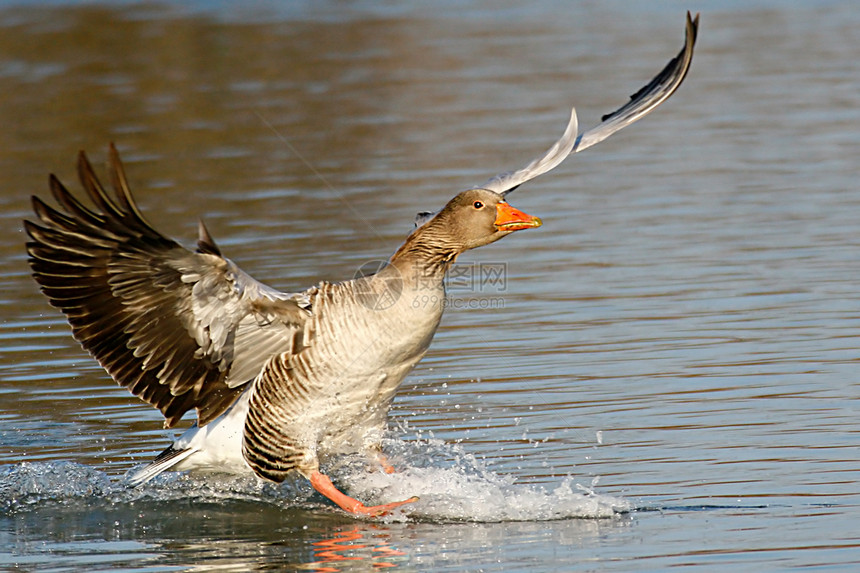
(478, 205)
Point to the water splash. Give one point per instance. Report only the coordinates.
(30, 483)
(451, 485)
(461, 488)
(449, 494)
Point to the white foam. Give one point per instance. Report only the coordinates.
(451, 485)
(457, 494)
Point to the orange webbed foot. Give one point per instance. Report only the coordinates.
(381, 510)
(322, 484)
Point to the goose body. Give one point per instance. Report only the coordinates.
(360, 374)
(277, 380)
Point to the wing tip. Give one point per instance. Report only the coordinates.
(205, 243)
(660, 88)
(692, 25)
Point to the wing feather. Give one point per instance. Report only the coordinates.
(641, 103)
(181, 330)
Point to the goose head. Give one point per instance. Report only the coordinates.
(478, 217)
(472, 219)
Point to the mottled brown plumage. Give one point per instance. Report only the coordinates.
(113, 275)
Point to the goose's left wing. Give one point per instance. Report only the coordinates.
(180, 329)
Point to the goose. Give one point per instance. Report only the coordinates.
(276, 379)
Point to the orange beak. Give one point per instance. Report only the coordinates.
(511, 219)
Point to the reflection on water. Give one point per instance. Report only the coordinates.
(335, 553)
(680, 335)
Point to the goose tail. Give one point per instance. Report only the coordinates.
(163, 462)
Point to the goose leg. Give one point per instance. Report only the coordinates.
(382, 459)
(322, 484)
(386, 466)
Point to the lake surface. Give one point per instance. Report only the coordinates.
(666, 374)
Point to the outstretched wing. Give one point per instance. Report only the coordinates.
(650, 96)
(641, 104)
(181, 330)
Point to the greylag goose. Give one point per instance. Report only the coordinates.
(276, 379)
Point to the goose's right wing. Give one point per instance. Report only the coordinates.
(648, 97)
(641, 104)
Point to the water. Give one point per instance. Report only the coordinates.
(665, 377)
